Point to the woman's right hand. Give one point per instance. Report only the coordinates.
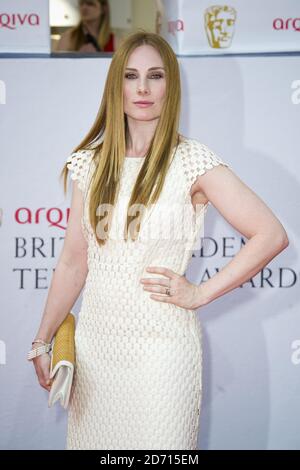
(42, 367)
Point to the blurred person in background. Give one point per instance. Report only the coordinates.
(158, 17)
(93, 32)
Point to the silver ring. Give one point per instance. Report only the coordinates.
(168, 291)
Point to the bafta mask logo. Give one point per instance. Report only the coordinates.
(219, 25)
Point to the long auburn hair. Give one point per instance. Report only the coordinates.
(77, 37)
(109, 153)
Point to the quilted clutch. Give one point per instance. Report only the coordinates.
(63, 362)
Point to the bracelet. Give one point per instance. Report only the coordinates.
(39, 341)
(45, 348)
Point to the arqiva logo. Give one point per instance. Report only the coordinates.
(54, 216)
(289, 23)
(14, 20)
(175, 26)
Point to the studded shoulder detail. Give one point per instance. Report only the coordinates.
(197, 159)
(78, 163)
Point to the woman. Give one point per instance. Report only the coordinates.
(138, 342)
(93, 33)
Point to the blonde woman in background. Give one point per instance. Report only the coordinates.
(138, 376)
(93, 33)
(159, 16)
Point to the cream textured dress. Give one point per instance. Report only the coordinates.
(137, 383)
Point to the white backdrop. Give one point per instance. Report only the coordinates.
(24, 26)
(246, 109)
(204, 27)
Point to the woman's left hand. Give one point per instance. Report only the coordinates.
(182, 292)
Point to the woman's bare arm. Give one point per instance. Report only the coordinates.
(249, 215)
(64, 42)
(70, 273)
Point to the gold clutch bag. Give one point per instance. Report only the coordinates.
(63, 362)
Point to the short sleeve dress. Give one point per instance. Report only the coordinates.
(138, 376)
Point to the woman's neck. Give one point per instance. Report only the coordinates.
(92, 27)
